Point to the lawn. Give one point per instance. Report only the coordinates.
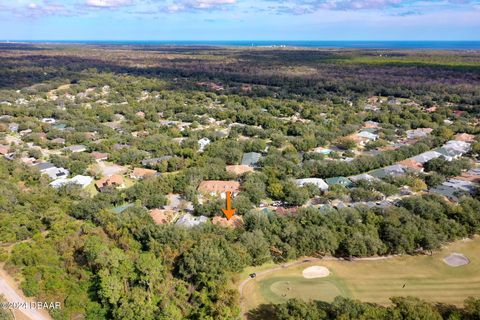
(427, 277)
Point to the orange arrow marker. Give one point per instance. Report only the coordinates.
(229, 212)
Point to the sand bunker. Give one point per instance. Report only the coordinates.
(456, 260)
(316, 272)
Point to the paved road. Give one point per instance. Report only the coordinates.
(11, 295)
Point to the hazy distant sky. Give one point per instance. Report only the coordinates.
(239, 20)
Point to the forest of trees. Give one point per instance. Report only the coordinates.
(68, 245)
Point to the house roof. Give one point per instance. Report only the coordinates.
(115, 180)
(367, 135)
(251, 158)
(234, 222)
(338, 180)
(44, 165)
(189, 220)
(320, 183)
(426, 156)
(4, 149)
(363, 176)
(161, 216)
(56, 173)
(239, 169)
(411, 164)
(99, 155)
(151, 161)
(215, 186)
(465, 137)
(142, 172)
(77, 147)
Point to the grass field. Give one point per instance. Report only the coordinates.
(427, 277)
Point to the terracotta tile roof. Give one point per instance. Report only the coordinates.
(4, 149)
(467, 176)
(99, 155)
(142, 173)
(161, 216)
(465, 137)
(214, 186)
(115, 180)
(239, 169)
(234, 222)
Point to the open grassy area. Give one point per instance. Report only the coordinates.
(426, 277)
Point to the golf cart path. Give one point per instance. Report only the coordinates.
(12, 294)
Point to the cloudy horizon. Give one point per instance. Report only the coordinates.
(240, 20)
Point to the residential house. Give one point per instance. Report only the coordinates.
(411, 165)
(42, 166)
(394, 170)
(426, 156)
(234, 222)
(339, 181)
(465, 137)
(448, 192)
(141, 173)
(29, 161)
(60, 141)
(56, 173)
(82, 181)
(320, 183)
(449, 154)
(215, 187)
(463, 185)
(161, 217)
(49, 120)
(369, 136)
(76, 148)
(239, 169)
(155, 161)
(418, 133)
(251, 159)
(461, 146)
(25, 132)
(203, 143)
(189, 221)
(4, 150)
(99, 156)
(471, 175)
(115, 181)
(363, 176)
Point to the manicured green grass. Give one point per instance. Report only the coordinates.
(426, 277)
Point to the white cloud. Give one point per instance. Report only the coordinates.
(107, 3)
(185, 5)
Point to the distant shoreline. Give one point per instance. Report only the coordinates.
(399, 45)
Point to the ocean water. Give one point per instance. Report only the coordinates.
(435, 45)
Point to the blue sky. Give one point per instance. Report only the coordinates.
(239, 20)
